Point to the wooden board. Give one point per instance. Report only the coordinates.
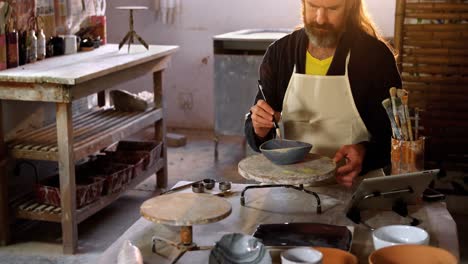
(315, 170)
(185, 209)
(84, 66)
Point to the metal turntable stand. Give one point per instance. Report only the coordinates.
(315, 170)
(184, 210)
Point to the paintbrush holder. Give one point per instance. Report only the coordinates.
(407, 156)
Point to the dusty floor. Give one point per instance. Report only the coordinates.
(39, 242)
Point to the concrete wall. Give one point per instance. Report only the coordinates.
(189, 82)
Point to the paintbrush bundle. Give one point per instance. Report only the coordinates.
(398, 112)
(407, 152)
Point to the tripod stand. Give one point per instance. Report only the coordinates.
(131, 34)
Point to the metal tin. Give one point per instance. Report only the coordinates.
(209, 183)
(225, 186)
(198, 187)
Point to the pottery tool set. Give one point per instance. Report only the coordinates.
(398, 112)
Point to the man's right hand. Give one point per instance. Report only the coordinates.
(262, 118)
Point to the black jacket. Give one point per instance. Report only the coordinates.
(372, 71)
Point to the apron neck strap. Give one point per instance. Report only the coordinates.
(347, 63)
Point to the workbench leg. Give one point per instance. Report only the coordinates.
(4, 220)
(160, 128)
(66, 163)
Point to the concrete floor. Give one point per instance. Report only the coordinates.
(39, 242)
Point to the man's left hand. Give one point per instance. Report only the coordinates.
(354, 156)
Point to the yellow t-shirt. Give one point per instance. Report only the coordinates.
(317, 67)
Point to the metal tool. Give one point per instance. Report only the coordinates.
(185, 186)
(277, 128)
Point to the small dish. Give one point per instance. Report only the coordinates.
(399, 234)
(410, 254)
(283, 151)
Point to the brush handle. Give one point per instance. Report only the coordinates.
(395, 130)
(264, 99)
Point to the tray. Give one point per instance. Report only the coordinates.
(151, 148)
(304, 234)
(88, 190)
(116, 176)
(134, 159)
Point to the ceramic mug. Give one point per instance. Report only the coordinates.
(70, 44)
(301, 255)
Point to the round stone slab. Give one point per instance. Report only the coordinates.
(315, 170)
(185, 209)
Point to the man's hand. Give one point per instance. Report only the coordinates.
(354, 156)
(262, 118)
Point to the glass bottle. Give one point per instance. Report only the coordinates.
(41, 45)
(32, 46)
(12, 49)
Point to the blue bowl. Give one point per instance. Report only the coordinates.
(283, 151)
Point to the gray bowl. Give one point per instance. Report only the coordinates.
(283, 151)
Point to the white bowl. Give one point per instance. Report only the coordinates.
(399, 234)
(301, 255)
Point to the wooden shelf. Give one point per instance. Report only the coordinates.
(28, 208)
(92, 131)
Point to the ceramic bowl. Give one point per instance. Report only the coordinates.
(301, 255)
(283, 151)
(399, 234)
(410, 254)
(239, 248)
(336, 256)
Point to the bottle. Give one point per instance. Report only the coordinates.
(32, 47)
(41, 45)
(22, 48)
(12, 49)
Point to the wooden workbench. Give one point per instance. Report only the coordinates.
(61, 80)
(281, 205)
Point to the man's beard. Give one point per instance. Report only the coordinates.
(323, 39)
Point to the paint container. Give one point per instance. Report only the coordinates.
(98, 23)
(198, 187)
(209, 183)
(407, 156)
(224, 186)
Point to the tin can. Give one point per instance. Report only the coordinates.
(100, 27)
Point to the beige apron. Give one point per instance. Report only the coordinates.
(320, 110)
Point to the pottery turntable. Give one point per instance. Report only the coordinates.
(314, 170)
(192, 209)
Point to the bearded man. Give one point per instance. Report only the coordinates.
(325, 82)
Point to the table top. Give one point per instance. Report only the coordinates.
(280, 205)
(84, 66)
(131, 7)
(185, 209)
(315, 170)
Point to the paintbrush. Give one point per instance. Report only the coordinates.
(393, 94)
(278, 132)
(401, 115)
(404, 100)
(387, 105)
